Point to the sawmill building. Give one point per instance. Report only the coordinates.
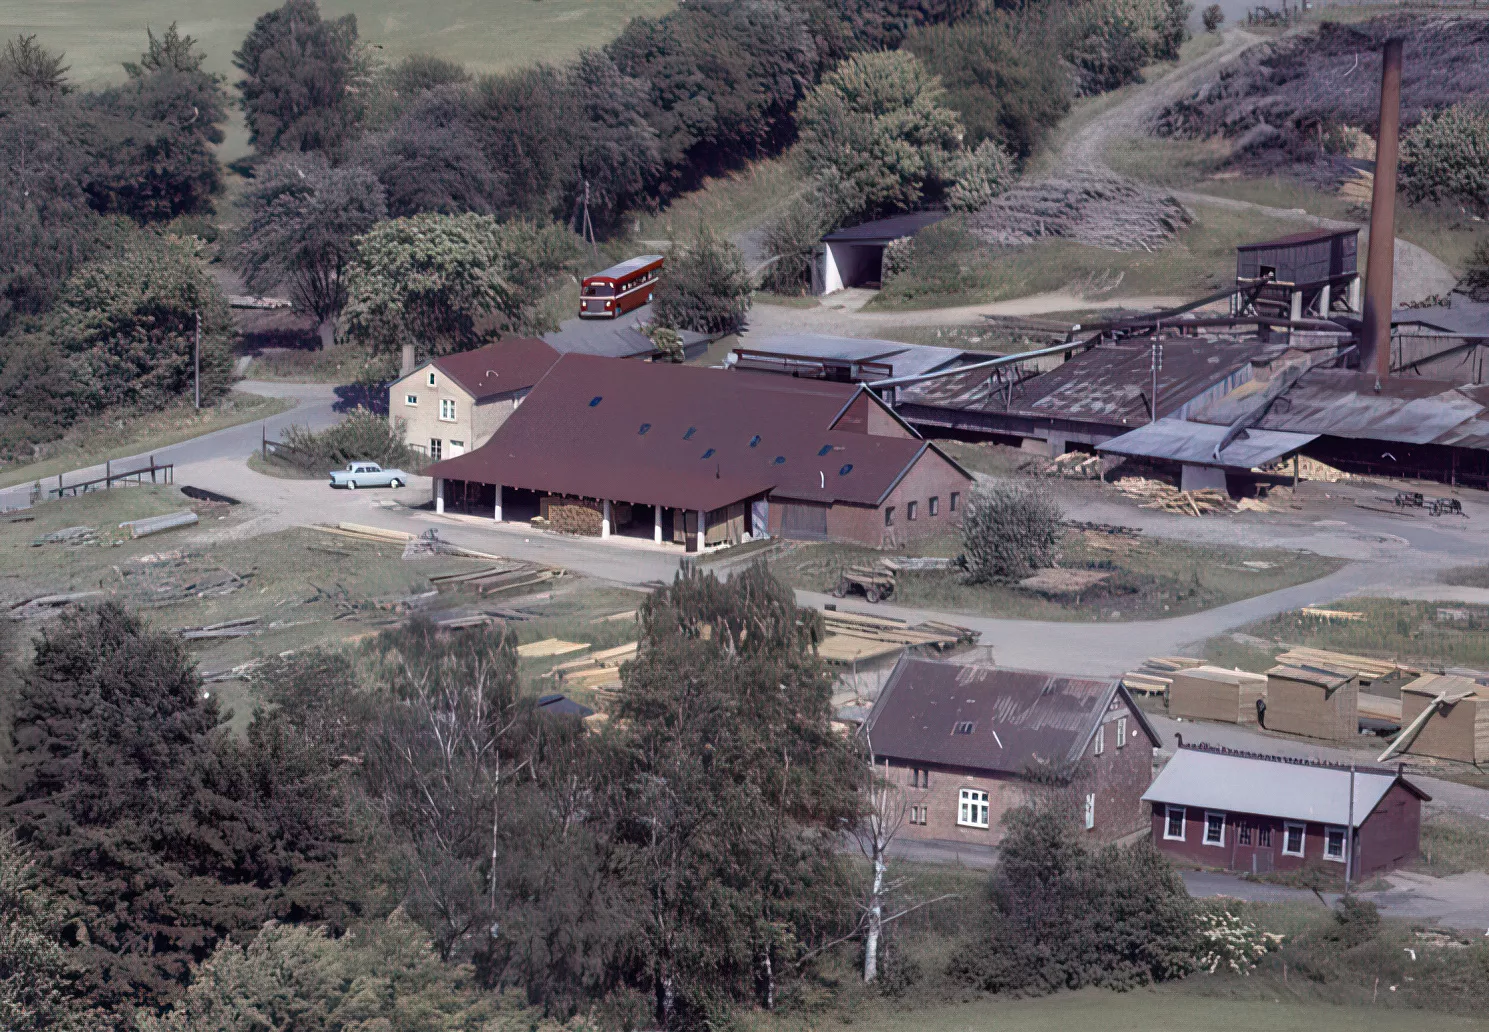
(702, 457)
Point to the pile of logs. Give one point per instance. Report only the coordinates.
(574, 518)
(1156, 494)
(1157, 673)
(854, 637)
(1072, 465)
(491, 580)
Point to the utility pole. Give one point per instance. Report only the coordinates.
(196, 361)
(1157, 362)
(1349, 834)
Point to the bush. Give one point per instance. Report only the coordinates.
(791, 243)
(1008, 531)
(361, 437)
(897, 257)
(1213, 18)
(1109, 41)
(1476, 275)
(704, 288)
(978, 176)
(1446, 158)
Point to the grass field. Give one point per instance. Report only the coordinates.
(1168, 1010)
(730, 204)
(1147, 579)
(93, 441)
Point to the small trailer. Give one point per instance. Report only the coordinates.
(875, 582)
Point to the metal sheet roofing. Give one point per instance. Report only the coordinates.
(1307, 237)
(1107, 385)
(1179, 440)
(1461, 317)
(628, 266)
(987, 718)
(513, 364)
(882, 231)
(686, 437)
(902, 359)
(1296, 790)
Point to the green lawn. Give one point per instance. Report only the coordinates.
(1149, 579)
(92, 441)
(1147, 1011)
(729, 204)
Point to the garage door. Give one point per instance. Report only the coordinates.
(802, 521)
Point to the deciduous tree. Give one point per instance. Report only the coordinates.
(705, 288)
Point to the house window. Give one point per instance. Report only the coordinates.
(1099, 746)
(933, 506)
(910, 508)
(1334, 844)
(1264, 836)
(436, 447)
(410, 399)
(431, 377)
(1121, 732)
(1243, 833)
(889, 516)
(447, 409)
(456, 447)
(1214, 828)
(1090, 810)
(920, 777)
(973, 812)
(1292, 840)
(919, 814)
(956, 496)
(1173, 823)
(964, 727)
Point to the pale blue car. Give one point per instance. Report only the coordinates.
(367, 474)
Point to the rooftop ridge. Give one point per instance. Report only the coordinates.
(1297, 761)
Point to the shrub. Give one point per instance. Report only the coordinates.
(361, 437)
(1109, 41)
(791, 242)
(705, 287)
(1446, 157)
(1008, 531)
(978, 176)
(1476, 275)
(1213, 18)
(897, 257)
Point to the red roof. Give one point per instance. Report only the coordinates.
(685, 437)
(513, 364)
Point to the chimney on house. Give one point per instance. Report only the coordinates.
(1375, 331)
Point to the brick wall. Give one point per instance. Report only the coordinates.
(940, 801)
(931, 477)
(1392, 835)
(867, 416)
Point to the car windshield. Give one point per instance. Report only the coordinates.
(598, 290)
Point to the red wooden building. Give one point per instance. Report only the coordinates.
(1247, 812)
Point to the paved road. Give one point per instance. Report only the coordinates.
(317, 406)
(1460, 902)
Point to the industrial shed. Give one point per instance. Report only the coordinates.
(1248, 812)
(701, 457)
(1306, 274)
(844, 359)
(854, 257)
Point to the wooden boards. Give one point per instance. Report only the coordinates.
(1215, 693)
(1157, 673)
(1370, 671)
(857, 638)
(1314, 700)
(550, 647)
(1458, 728)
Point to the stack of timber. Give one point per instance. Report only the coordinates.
(50, 605)
(550, 647)
(1157, 673)
(156, 524)
(1450, 716)
(854, 637)
(1315, 698)
(240, 628)
(1073, 465)
(1373, 673)
(1215, 693)
(1155, 494)
(490, 580)
(599, 670)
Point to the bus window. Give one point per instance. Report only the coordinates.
(598, 290)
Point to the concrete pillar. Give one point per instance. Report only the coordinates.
(702, 529)
(1324, 299)
(656, 525)
(605, 521)
(1297, 312)
(439, 495)
(497, 516)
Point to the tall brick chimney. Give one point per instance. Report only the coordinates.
(1375, 333)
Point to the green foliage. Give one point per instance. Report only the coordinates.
(361, 437)
(1445, 158)
(1109, 41)
(379, 976)
(31, 74)
(977, 176)
(1009, 530)
(1213, 18)
(37, 975)
(1476, 275)
(791, 240)
(444, 283)
(897, 257)
(705, 287)
(302, 77)
(1064, 917)
(302, 218)
(998, 76)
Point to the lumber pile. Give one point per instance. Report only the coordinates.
(550, 647)
(1316, 698)
(49, 605)
(1060, 581)
(1451, 717)
(1156, 674)
(363, 532)
(1331, 615)
(240, 628)
(570, 516)
(157, 524)
(1378, 707)
(1371, 672)
(1215, 693)
(854, 637)
(1072, 465)
(491, 580)
(599, 670)
(1155, 494)
(66, 536)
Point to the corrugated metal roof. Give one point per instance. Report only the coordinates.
(1461, 317)
(1270, 787)
(1107, 385)
(627, 266)
(685, 437)
(902, 359)
(1017, 718)
(1307, 237)
(1179, 440)
(513, 364)
(885, 230)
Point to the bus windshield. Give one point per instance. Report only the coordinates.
(598, 290)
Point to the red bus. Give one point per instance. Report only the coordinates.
(620, 288)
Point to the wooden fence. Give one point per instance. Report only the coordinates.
(165, 472)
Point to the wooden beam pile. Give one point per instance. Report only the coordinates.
(1155, 494)
(854, 637)
(1370, 671)
(550, 647)
(598, 670)
(1157, 673)
(491, 580)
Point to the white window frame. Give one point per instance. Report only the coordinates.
(430, 378)
(450, 404)
(1098, 746)
(1168, 822)
(973, 810)
(1121, 732)
(1205, 838)
(411, 399)
(1302, 838)
(1343, 842)
(1090, 810)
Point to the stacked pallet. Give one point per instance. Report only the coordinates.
(599, 670)
(1155, 494)
(491, 580)
(1450, 716)
(856, 638)
(1376, 673)
(362, 532)
(1215, 693)
(1156, 674)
